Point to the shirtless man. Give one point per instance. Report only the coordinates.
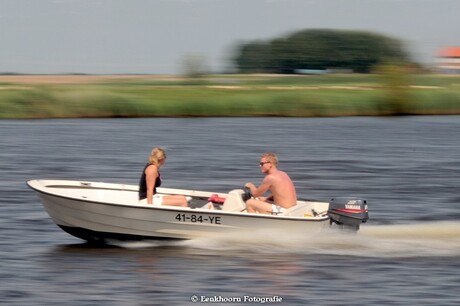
(283, 194)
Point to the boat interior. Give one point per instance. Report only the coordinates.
(128, 195)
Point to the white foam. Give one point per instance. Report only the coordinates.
(380, 241)
(427, 239)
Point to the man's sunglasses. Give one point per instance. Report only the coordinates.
(263, 163)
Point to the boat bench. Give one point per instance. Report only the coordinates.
(234, 201)
(307, 209)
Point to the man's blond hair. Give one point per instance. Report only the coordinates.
(271, 157)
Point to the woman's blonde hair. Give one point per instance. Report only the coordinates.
(156, 156)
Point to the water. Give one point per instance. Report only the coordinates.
(407, 254)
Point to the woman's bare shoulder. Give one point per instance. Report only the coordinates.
(151, 169)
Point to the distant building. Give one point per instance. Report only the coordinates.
(448, 60)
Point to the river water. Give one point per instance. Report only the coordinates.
(407, 168)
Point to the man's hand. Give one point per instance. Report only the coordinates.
(251, 187)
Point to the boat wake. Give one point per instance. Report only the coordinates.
(380, 241)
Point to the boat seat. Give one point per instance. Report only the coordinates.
(299, 210)
(234, 201)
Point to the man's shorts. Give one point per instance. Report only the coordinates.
(276, 209)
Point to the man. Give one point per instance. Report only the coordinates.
(283, 194)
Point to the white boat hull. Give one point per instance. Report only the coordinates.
(100, 211)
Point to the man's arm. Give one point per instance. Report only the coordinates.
(264, 187)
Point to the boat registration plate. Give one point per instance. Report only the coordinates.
(198, 218)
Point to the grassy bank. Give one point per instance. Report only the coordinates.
(227, 95)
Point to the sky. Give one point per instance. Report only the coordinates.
(157, 36)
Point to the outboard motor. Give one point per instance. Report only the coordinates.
(348, 212)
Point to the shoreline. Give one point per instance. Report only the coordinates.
(149, 96)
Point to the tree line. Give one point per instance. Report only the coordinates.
(319, 49)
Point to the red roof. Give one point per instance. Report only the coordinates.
(449, 52)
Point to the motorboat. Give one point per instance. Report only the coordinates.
(98, 212)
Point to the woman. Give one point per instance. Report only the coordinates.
(151, 179)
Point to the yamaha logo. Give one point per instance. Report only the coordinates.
(352, 206)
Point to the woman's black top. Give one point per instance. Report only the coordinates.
(143, 184)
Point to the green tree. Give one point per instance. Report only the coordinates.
(194, 65)
(254, 57)
(320, 49)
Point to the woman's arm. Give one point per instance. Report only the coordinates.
(151, 174)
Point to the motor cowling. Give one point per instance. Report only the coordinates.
(348, 212)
